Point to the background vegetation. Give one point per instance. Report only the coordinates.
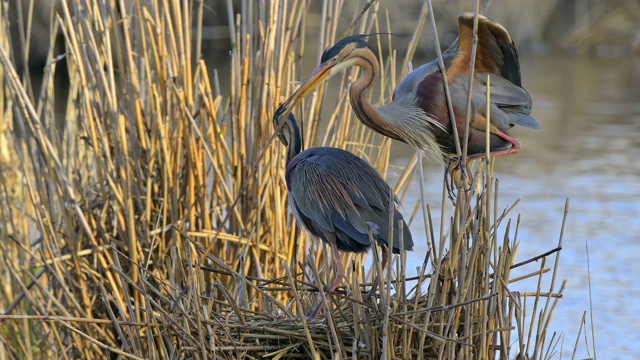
(143, 205)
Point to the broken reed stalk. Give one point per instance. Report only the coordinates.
(106, 215)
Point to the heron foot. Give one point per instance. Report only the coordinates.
(315, 312)
(372, 292)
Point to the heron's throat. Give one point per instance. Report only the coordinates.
(294, 139)
(367, 113)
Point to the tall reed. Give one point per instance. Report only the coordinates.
(149, 218)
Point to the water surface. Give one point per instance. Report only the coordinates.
(587, 150)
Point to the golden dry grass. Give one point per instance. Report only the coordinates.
(149, 219)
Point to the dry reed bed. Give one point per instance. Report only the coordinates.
(152, 221)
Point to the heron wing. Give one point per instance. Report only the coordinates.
(301, 184)
(504, 92)
(373, 205)
(511, 104)
(406, 89)
(495, 52)
(341, 193)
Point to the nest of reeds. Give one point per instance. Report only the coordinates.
(144, 207)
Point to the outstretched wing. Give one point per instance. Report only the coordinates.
(496, 57)
(495, 51)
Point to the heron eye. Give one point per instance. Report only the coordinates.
(336, 58)
(283, 138)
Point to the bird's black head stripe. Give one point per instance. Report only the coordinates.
(360, 41)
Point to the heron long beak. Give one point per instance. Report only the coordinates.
(319, 75)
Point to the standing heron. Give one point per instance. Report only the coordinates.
(418, 114)
(338, 197)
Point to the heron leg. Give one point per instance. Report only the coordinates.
(374, 286)
(315, 311)
(339, 267)
(457, 176)
(339, 274)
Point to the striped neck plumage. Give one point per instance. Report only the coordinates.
(294, 140)
(367, 113)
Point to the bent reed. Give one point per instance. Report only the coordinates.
(144, 207)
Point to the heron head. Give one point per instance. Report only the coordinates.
(278, 126)
(344, 54)
(289, 131)
(344, 50)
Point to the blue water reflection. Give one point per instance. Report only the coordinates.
(588, 150)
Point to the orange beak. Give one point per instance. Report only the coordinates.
(319, 75)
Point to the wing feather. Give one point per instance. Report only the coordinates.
(342, 194)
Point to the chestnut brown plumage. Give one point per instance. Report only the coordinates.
(418, 114)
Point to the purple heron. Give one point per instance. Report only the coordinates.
(418, 114)
(338, 197)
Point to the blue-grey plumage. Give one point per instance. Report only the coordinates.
(336, 192)
(338, 197)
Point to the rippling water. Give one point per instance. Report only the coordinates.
(587, 150)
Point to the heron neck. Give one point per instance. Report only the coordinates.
(367, 113)
(295, 140)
